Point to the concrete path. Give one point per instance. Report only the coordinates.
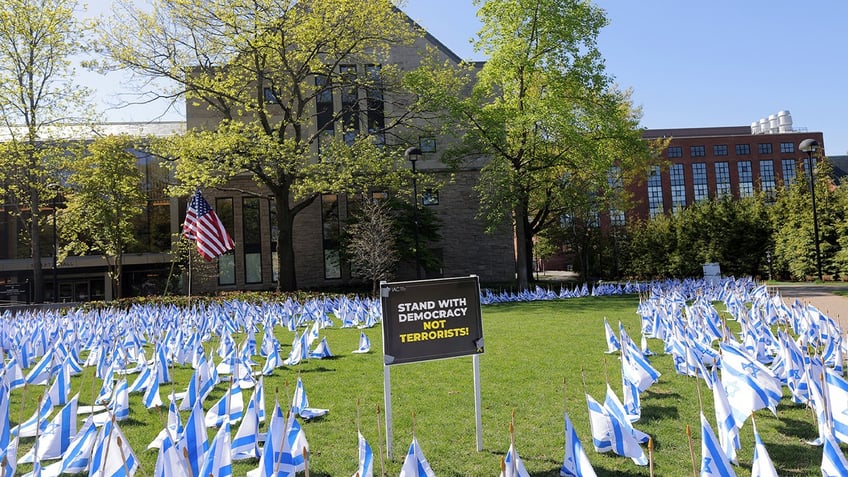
(821, 297)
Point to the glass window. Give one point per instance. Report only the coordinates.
(720, 150)
(678, 187)
(430, 197)
(332, 235)
(655, 192)
(427, 144)
(615, 184)
(789, 171)
(374, 99)
(350, 103)
(743, 149)
(722, 171)
(252, 239)
(746, 179)
(699, 181)
(767, 178)
(787, 147)
(697, 151)
(675, 151)
(323, 103)
(226, 262)
(764, 148)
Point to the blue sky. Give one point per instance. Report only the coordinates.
(689, 64)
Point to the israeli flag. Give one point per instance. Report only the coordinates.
(194, 441)
(834, 463)
(300, 404)
(77, 456)
(56, 437)
(613, 346)
(228, 409)
(576, 462)
(366, 458)
(364, 344)
(245, 444)
(113, 455)
(218, 460)
(713, 460)
(415, 464)
(512, 465)
(762, 465)
(169, 462)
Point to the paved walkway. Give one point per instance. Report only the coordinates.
(821, 297)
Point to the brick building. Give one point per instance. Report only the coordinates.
(712, 162)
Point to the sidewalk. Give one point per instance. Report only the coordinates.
(821, 297)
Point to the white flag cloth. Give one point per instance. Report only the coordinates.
(228, 409)
(575, 463)
(37, 422)
(245, 444)
(749, 384)
(834, 463)
(169, 462)
(300, 404)
(512, 464)
(713, 460)
(366, 459)
(113, 456)
(194, 439)
(218, 460)
(762, 465)
(728, 429)
(613, 345)
(415, 464)
(837, 395)
(601, 425)
(364, 344)
(77, 458)
(56, 437)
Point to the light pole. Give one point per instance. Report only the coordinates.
(412, 154)
(810, 146)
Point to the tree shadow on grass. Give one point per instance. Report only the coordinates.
(804, 430)
(653, 412)
(795, 459)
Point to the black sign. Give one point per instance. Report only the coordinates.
(431, 319)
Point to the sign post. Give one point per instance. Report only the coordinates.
(431, 319)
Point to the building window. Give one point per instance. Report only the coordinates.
(324, 105)
(350, 104)
(615, 184)
(764, 148)
(743, 149)
(722, 172)
(697, 151)
(678, 187)
(655, 192)
(331, 235)
(269, 95)
(787, 147)
(226, 262)
(806, 163)
(699, 181)
(251, 230)
(675, 151)
(720, 150)
(746, 179)
(767, 179)
(376, 108)
(789, 171)
(430, 197)
(427, 144)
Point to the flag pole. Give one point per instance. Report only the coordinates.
(123, 456)
(306, 462)
(651, 456)
(691, 451)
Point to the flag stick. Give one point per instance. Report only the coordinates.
(108, 440)
(306, 462)
(3, 467)
(691, 451)
(188, 462)
(123, 456)
(513, 464)
(357, 415)
(37, 428)
(380, 443)
(564, 398)
(283, 439)
(651, 456)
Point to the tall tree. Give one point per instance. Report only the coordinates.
(103, 198)
(38, 39)
(268, 71)
(541, 109)
(371, 243)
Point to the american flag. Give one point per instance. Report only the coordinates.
(204, 227)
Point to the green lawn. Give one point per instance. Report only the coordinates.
(531, 348)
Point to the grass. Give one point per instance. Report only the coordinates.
(531, 348)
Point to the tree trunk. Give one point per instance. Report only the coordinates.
(522, 234)
(35, 248)
(287, 280)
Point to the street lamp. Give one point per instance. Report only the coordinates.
(810, 146)
(412, 154)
